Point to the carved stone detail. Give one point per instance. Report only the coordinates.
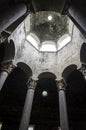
(32, 84)
(61, 85)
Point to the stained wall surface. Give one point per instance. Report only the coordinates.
(52, 62)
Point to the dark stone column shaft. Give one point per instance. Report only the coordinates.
(11, 15)
(24, 124)
(3, 77)
(63, 109)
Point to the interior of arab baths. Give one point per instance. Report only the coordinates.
(42, 65)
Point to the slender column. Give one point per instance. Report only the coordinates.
(24, 124)
(3, 77)
(11, 15)
(5, 70)
(62, 106)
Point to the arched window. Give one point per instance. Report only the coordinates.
(64, 40)
(48, 46)
(33, 40)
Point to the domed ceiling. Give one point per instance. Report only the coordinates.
(48, 26)
(47, 29)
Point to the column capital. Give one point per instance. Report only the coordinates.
(61, 85)
(83, 70)
(7, 67)
(32, 84)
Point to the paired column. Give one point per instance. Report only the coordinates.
(62, 106)
(24, 124)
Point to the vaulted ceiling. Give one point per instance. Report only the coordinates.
(45, 110)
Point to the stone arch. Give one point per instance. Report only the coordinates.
(47, 75)
(27, 70)
(7, 51)
(83, 53)
(68, 70)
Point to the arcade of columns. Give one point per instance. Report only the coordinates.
(7, 67)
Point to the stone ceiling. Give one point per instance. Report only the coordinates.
(46, 62)
(49, 30)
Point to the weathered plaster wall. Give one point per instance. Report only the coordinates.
(52, 62)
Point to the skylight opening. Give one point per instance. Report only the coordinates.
(64, 40)
(48, 46)
(34, 40)
(50, 17)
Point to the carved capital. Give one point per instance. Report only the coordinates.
(32, 84)
(7, 67)
(83, 70)
(61, 85)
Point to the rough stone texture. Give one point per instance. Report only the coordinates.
(42, 62)
(49, 30)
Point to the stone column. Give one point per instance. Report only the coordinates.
(62, 106)
(24, 124)
(5, 70)
(3, 77)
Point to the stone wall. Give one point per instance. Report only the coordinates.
(51, 62)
